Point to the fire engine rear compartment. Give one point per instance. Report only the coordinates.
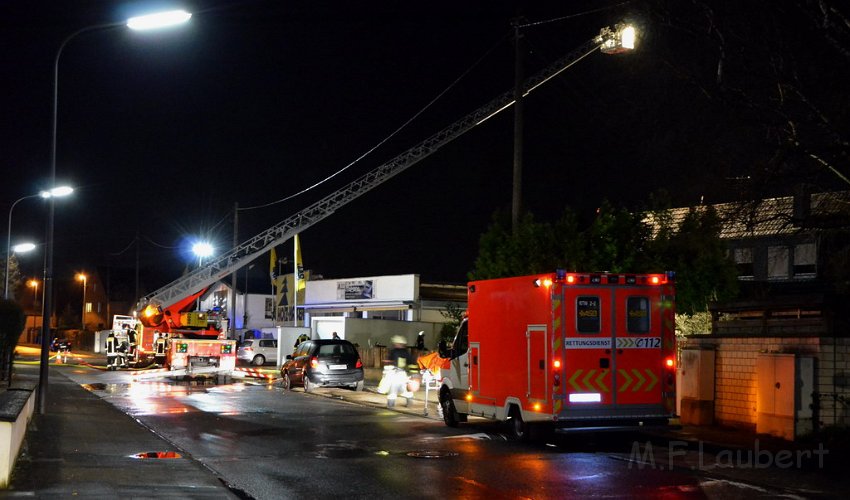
(572, 355)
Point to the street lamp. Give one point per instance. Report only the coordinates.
(19, 248)
(152, 21)
(201, 249)
(34, 285)
(55, 192)
(82, 277)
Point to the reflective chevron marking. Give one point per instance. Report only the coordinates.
(625, 375)
(653, 380)
(590, 380)
(640, 380)
(645, 376)
(574, 379)
(600, 380)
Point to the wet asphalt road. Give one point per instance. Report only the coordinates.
(268, 443)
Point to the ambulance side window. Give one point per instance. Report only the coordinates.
(587, 314)
(637, 314)
(461, 343)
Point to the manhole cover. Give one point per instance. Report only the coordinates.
(157, 454)
(431, 454)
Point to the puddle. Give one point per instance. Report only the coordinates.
(157, 454)
(94, 387)
(431, 454)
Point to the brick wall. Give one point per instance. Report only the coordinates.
(736, 377)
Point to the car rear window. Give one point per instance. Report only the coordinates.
(248, 343)
(336, 349)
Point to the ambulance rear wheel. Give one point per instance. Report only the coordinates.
(450, 416)
(518, 428)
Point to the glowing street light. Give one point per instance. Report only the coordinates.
(34, 285)
(23, 247)
(82, 277)
(620, 39)
(158, 20)
(202, 249)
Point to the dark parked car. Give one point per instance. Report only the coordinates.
(60, 345)
(321, 363)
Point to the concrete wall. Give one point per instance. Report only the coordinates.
(736, 377)
(372, 332)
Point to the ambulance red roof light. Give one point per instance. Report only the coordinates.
(669, 363)
(571, 279)
(657, 279)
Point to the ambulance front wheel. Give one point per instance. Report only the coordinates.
(450, 414)
(518, 427)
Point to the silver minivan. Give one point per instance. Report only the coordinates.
(258, 351)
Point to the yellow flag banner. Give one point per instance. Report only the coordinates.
(272, 265)
(299, 267)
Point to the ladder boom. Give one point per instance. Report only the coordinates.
(242, 255)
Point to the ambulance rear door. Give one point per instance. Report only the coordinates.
(587, 376)
(638, 345)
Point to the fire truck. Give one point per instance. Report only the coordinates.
(196, 343)
(564, 350)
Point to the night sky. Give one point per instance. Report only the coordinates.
(253, 101)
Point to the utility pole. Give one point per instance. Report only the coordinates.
(516, 200)
(231, 310)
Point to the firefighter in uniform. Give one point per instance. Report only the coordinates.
(159, 348)
(111, 351)
(132, 336)
(301, 338)
(399, 362)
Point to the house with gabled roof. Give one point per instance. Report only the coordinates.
(778, 357)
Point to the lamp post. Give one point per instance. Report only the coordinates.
(148, 22)
(82, 277)
(34, 285)
(60, 191)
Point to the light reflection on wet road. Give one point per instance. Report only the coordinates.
(270, 443)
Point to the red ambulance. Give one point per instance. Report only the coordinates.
(565, 350)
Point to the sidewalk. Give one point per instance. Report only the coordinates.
(83, 446)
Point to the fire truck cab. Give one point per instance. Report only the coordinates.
(565, 350)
